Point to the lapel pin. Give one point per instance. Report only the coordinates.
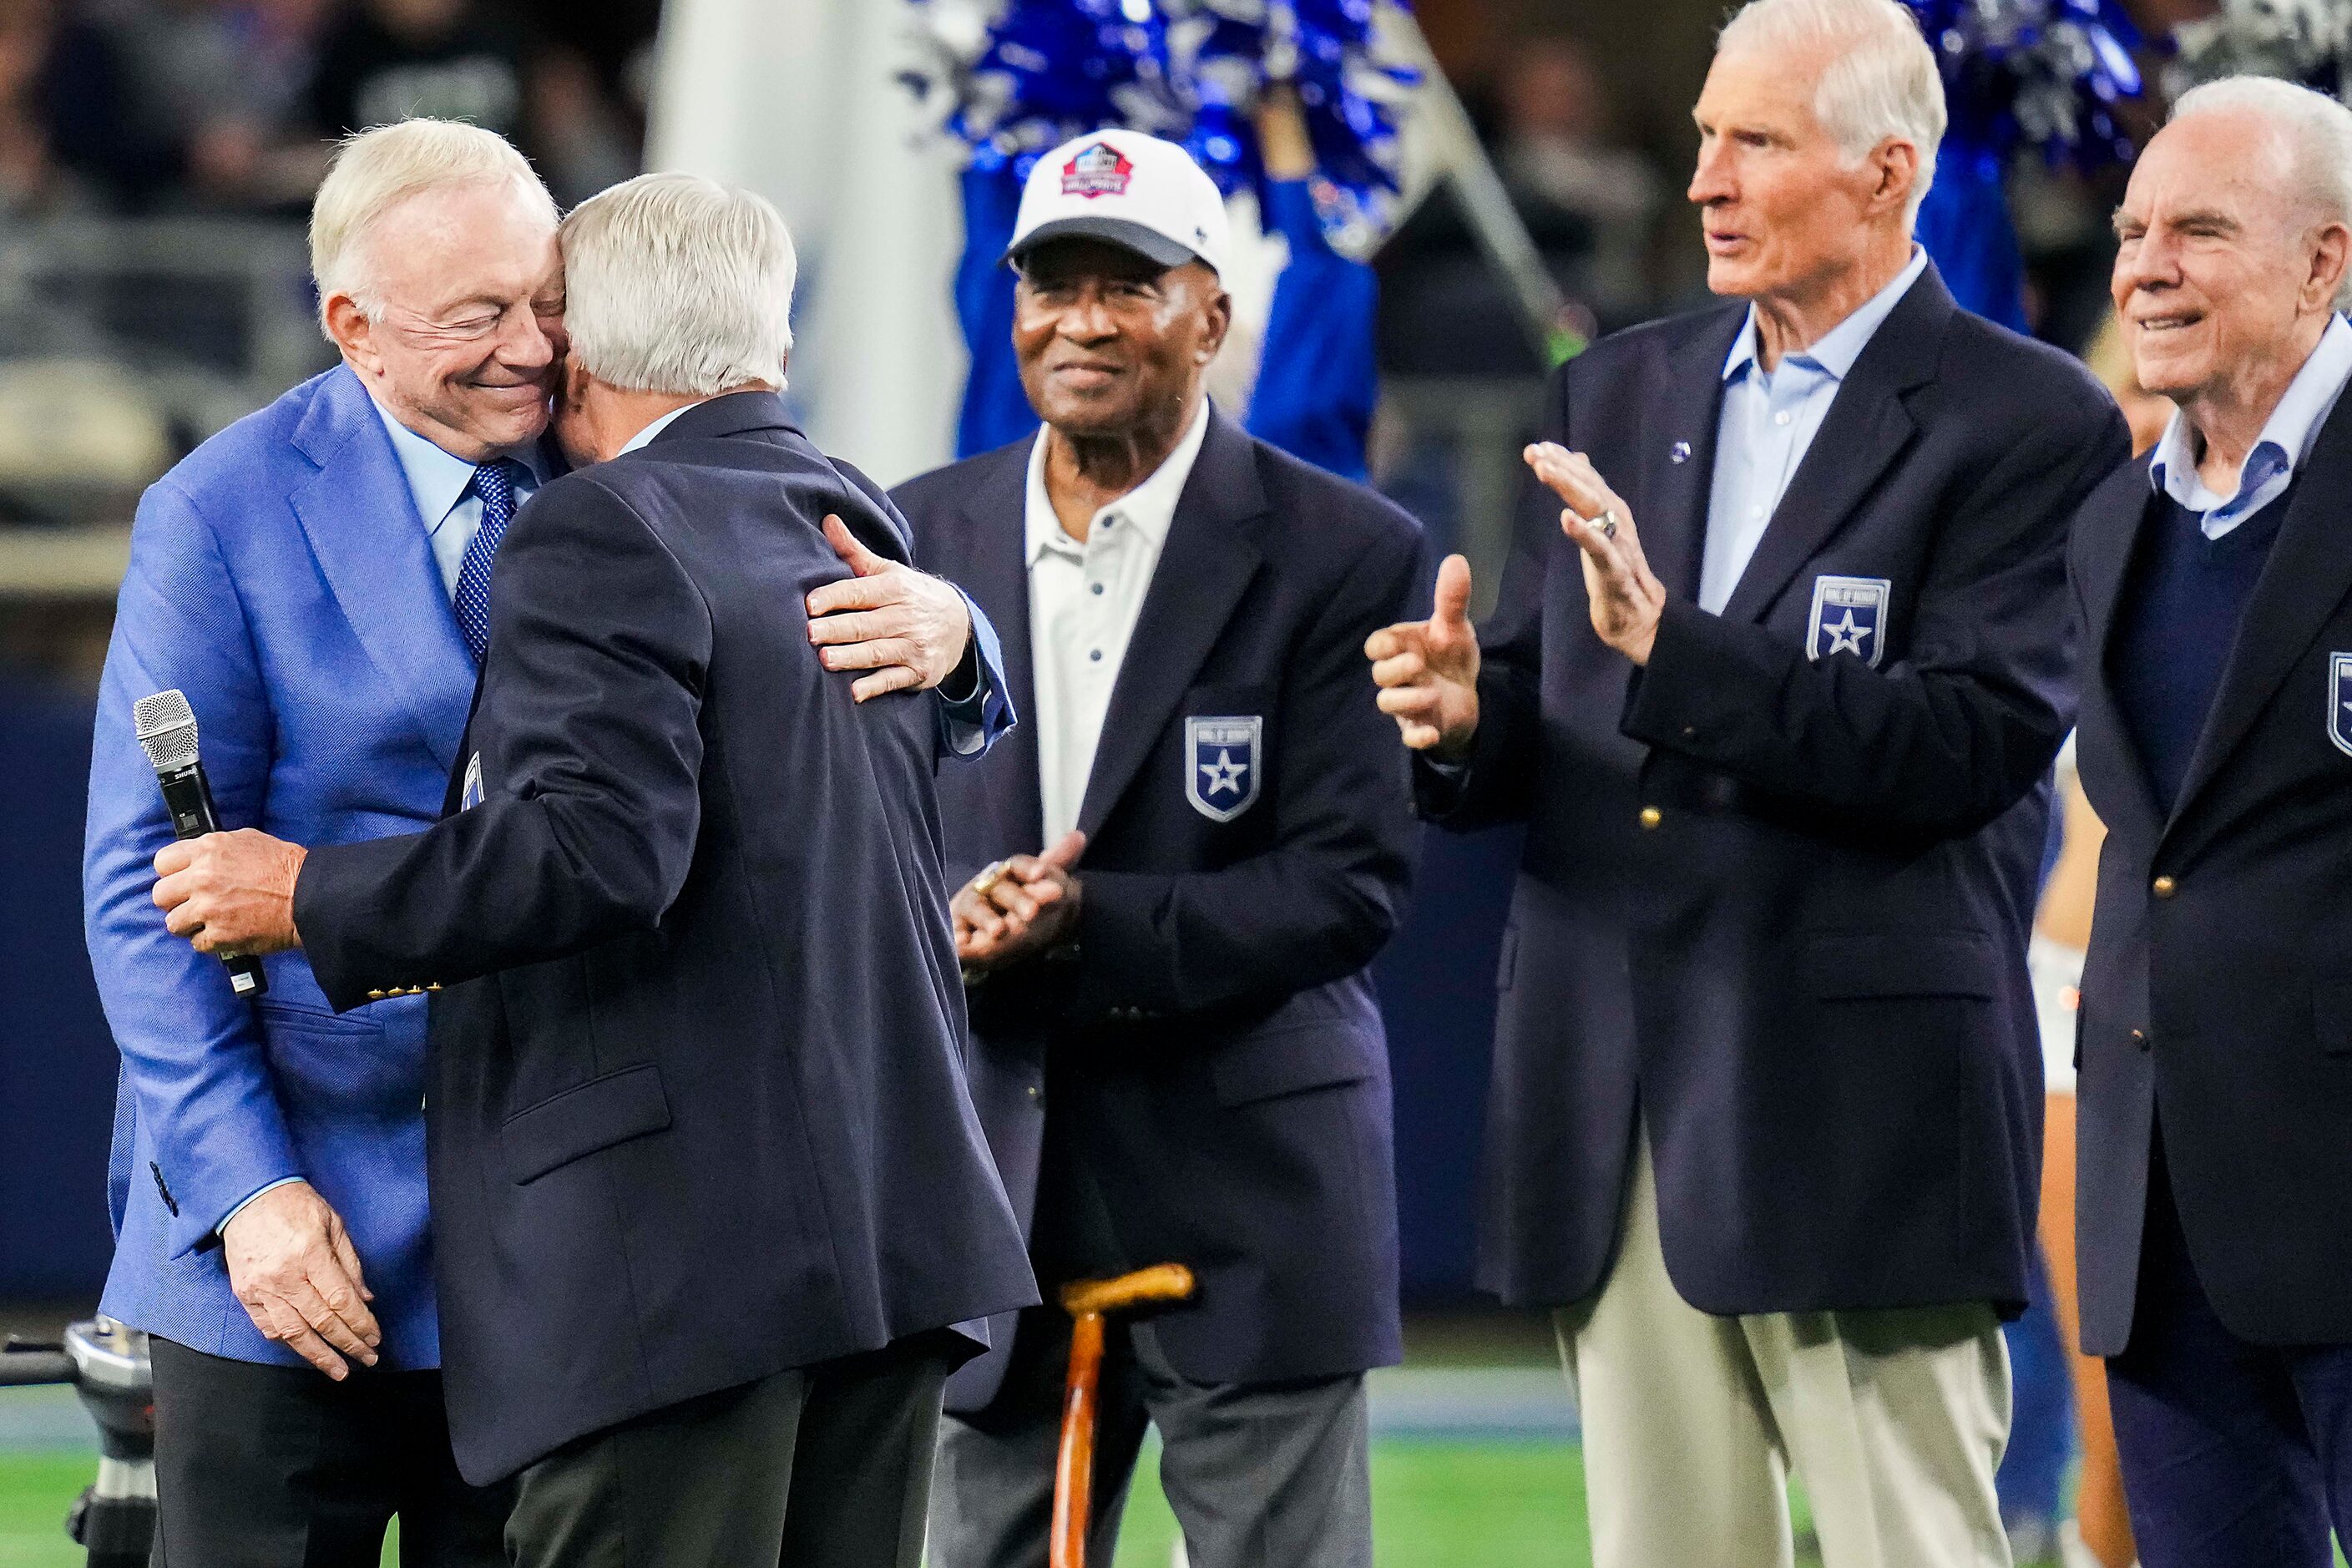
(1682, 452)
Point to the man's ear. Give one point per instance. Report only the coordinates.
(351, 332)
(1219, 321)
(1898, 173)
(2331, 253)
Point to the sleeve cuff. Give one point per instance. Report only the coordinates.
(247, 1202)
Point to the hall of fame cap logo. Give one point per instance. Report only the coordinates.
(1223, 765)
(2339, 701)
(1849, 616)
(1101, 170)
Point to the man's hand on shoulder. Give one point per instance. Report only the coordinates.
(292, 1263)
(907, 628)
(230, 893)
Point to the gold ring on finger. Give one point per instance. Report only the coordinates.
(989, 875)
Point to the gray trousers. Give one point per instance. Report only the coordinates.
(821, 1467)
(1259, 1475)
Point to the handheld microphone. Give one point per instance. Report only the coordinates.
(166, 727)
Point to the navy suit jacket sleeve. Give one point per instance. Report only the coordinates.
(191, 1051)
(593, 696)
(1319, 904)
(1943, 741)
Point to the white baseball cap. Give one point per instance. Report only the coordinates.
(1128, 189)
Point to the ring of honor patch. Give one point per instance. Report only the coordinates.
(2339, 701)
(1223, 763)
(1849, 616)
(469, 794)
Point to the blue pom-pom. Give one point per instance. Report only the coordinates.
(2043, 74)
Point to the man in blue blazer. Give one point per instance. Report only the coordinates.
(1774, 694)
(1176, 1049)
(2215, 1036)
(709, 1198)
(314, 580)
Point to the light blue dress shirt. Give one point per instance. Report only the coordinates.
(442, 486)
(2285, 441)
(1769, 420)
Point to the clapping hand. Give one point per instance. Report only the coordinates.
(1625, 595)
(1018, 908)
(1427, 671)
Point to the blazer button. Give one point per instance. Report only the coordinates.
(375, 996)
(2163, 887)
(1652, 816)
(2139, 1038)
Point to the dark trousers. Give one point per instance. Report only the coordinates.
(821, 1467)
(2234, 1455)
(276, 1466)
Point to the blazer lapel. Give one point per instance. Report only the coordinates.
(1680, 415)
(1205, 564)
(2118, 515)
(2306, 577)
(995, 570)
(372, 547)
(1866, 430)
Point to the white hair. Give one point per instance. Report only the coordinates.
(376, 171)
(2318, 131)
(1880, 80)
(674, 283)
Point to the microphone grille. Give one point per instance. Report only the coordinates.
(166, 727)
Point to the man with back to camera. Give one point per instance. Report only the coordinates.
(1178, 872)
(316, 579)
(2216, 744)
(709, 1190)
(1774, 693)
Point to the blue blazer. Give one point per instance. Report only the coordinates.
(2221, 1005)
(280, 576)
(699, 1112)
(1775, 895)
(1216, 1053)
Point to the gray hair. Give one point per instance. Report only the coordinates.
(2319, 133)
(1880, 80)
(676, 284)
(375, 170)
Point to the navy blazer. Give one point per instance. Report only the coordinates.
(697, 1110)
(1775, 896)
(1226, 1073)
(2220, 1000)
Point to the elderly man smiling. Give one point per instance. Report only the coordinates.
(317, 579)
(1775, 692)
(2216, 1092)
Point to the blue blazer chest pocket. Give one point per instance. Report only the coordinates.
(580, 1120)
(1845, 967)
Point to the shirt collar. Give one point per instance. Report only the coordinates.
(436, 481)
(1836, 350)
(658, 426)
(2287, 435)
(1150, 508)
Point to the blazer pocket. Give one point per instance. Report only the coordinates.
(1899, 963)
(594, 1115)
(1287, 1061)
(2331, 1012)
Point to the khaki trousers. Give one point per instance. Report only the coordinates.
(1894, 1421)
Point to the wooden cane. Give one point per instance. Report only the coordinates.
(1088, 1302)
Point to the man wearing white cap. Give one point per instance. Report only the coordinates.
(1176, 1051)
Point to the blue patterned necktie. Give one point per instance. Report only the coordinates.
(494, 482)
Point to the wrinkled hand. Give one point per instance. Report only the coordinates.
(1625, 598)
(906, 626)
(1427, 671)
(292, 1263)
(1019, 908)
(230, 893)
